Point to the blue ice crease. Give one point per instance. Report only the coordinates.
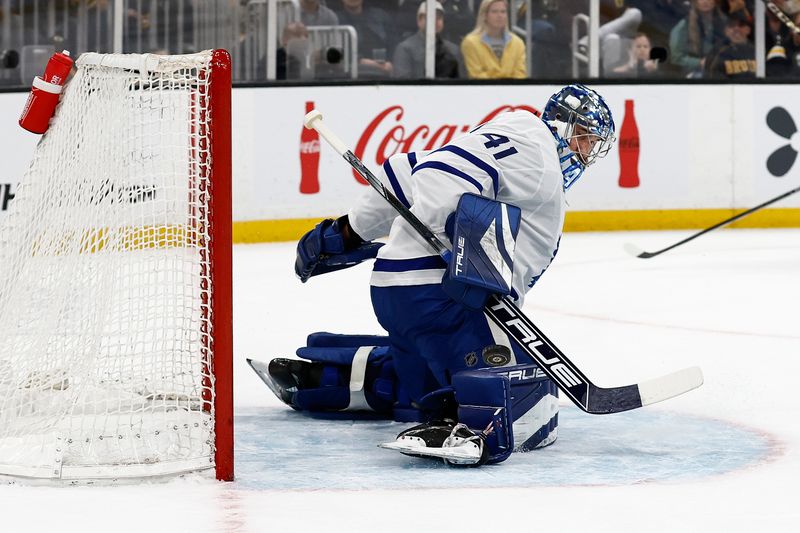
(277, 448)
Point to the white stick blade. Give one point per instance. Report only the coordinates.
(632, 249)
(671, 385)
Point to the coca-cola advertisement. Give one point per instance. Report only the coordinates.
(377, 122)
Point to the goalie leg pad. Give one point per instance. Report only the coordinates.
(534, 399)
(483, 433)
(484, 406)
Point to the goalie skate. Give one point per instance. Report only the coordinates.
(285, 377)
(455, 443)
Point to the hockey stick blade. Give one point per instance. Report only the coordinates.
(671, 385)
(508, 317)
(635, 251)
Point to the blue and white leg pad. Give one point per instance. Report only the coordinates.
(530, 402)
(496, 408)
(534, 406)
(484, 406)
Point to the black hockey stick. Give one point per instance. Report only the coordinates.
(638, 252)
(585, 394)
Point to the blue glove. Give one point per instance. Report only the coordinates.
(330, 247)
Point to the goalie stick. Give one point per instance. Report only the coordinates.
(585, 394)
(638, 252)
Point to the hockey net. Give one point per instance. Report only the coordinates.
(115, 289)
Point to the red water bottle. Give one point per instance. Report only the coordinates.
(44, 95)
(309, 158)
(629, 149)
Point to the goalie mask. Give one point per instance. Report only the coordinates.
(583, 127)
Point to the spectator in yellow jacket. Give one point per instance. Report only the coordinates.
(491, 51)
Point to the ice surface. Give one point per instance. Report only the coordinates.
(722, 458)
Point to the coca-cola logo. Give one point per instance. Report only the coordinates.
(386, 135)
(309, 147)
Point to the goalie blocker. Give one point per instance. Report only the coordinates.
(489, 411)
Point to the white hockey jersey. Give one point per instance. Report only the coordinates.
(511, 158)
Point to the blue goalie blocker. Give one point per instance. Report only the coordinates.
(484, 233)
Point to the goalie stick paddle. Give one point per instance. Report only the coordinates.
(638, 252)
(585, 394)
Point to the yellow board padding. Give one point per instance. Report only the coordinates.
(256, 231)
(127, 238)
(678, 219)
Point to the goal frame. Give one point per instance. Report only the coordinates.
(211, 124)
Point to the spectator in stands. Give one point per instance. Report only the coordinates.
(736, 58)
(312, 13)
(409, 56)
(292, 56)
(619, 24)
(551, 37)
(491, 51)
(693, 38)
(551, 34)
(639, 64)
(376, 37)
(659, 17)
(458, 14)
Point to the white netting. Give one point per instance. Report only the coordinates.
(104, 315)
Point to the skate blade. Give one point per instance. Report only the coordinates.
(262, 371)
(467, 454)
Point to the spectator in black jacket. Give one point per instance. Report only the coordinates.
(376, 37)
(736, 58)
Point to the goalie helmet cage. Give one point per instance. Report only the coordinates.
(115, 278)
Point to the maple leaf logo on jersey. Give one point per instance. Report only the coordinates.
(781, 160)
